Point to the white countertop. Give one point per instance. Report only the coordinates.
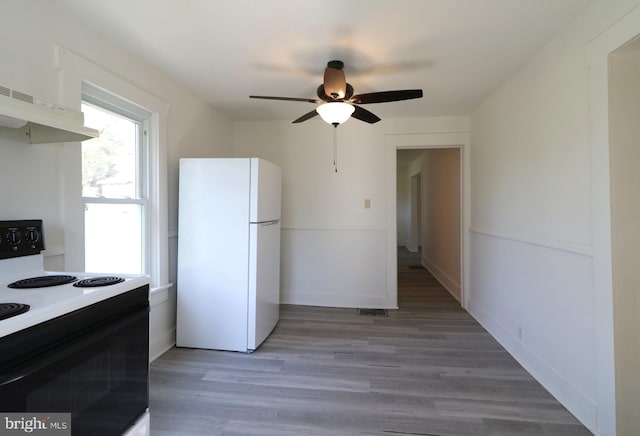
(50, 302)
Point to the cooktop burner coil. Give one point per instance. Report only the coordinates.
(8, 310)
(42, 281)
(95, 282)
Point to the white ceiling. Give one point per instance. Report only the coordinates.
(457, 51)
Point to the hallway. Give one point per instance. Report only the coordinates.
(418, 290)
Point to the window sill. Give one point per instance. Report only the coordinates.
(53, 250)
(159, 294)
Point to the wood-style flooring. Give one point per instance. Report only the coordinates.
(427, 369)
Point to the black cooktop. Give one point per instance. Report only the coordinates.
(7, 310)
(95, 282)
(54, 280)
(42, 281)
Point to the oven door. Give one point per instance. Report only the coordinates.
(99, 375)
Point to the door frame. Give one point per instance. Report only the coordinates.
(598, 51)
(415, 215)
(394, 142)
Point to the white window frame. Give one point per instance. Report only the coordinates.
(117, 105)
(75, 71)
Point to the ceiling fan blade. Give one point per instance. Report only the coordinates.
(386, 96)
(308, 100)
(335, 83)
(306, 116)
(364, 115)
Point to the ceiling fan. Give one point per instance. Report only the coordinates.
(337, 102)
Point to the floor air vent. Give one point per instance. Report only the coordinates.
(373, 312)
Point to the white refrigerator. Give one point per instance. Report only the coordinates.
(228, 253)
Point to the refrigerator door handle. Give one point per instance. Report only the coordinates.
(266, 223)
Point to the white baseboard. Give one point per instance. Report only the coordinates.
(450, 284)
(160, 344)
(335, 300)
(581, 406)
(411, 248)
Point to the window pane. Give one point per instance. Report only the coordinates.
(113, 238)
(109, 163)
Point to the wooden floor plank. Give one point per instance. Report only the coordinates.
(426, 369)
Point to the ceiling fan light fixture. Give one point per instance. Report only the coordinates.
(335, 112)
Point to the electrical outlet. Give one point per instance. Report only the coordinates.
(367, 203)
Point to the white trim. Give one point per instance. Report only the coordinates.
(53, 250)
(159, 294)
(74, 70)
(340, 228)
(562, 389)
(160, 344)
(335, 300)
(568, 246)
(615, 36)
(449, 283)
(103, 200)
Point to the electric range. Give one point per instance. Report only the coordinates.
(73, 343)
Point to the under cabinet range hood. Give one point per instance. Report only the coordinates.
(27, 119)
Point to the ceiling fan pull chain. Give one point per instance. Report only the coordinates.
(335, 149)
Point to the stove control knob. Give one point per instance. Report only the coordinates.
(14, 237)
(32, 235)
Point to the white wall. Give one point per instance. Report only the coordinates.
(441, 212)
(335, 252)
(407, 199)
(333, 248)
(414, 172)
(532, 256)
(42, 181)
(403, 209)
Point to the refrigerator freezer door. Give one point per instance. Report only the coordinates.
(213, 253)
(265, 191)
(264, 282)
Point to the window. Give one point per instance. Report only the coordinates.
(82, 80)
(115, 185)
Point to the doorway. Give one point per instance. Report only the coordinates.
(429, 210)
(417, 141)
(617, 391)
(624, 94)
